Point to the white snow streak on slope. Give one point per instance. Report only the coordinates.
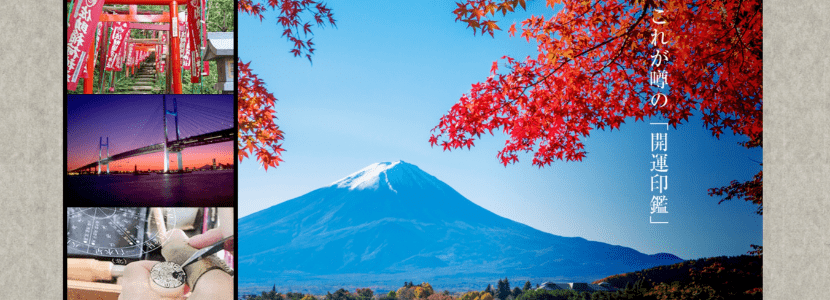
(400, 173)
(366, 178)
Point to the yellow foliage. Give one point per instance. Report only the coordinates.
(423, 291)
(484, 296)
(419, 292)
(469, 295)
(427, 288)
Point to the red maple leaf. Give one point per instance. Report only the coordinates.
(258, 132)
(592, 70)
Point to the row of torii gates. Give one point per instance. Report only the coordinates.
(118, 48)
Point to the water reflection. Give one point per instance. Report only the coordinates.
(213, 188)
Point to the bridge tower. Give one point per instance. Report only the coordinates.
(175, 114)
(164, 113)
(100, 146)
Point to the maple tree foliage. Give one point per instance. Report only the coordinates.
(258, 132)
(290, 18)
(592, 71)
(752, 191)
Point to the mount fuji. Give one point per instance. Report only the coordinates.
(392, 222)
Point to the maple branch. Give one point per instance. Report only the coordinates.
(567, 60)
(258, 132)
(751, 191)
(628, 81)
(551, 103)
(625, 42)
(741, 38)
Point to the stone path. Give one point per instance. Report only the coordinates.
(144, 79)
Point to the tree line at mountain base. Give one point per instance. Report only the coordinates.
(736, 277)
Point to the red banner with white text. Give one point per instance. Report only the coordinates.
(117, 40)
(83, 19)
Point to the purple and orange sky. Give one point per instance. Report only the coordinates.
(134, 121)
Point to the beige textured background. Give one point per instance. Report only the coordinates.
(796, 152)
(31, 124)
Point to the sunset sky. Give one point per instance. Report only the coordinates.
(134, 121)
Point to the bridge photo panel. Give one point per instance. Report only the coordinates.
(150, 150)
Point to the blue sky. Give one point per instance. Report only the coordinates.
(381, 80)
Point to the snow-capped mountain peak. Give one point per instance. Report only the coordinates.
(368, 177)
(391, 175)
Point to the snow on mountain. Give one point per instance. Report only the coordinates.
(394, 222)
(383, 174)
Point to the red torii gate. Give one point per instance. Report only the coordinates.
(175, 57)
(133, 16)
(156, 27)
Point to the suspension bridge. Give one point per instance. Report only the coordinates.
(173, 126)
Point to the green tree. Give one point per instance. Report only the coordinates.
(219, 15)
(293, 296)
(516, 292)
(271, 295)
(340, 294)
(469, 295)
(527, 286)
(364, 294)
(503, 289)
